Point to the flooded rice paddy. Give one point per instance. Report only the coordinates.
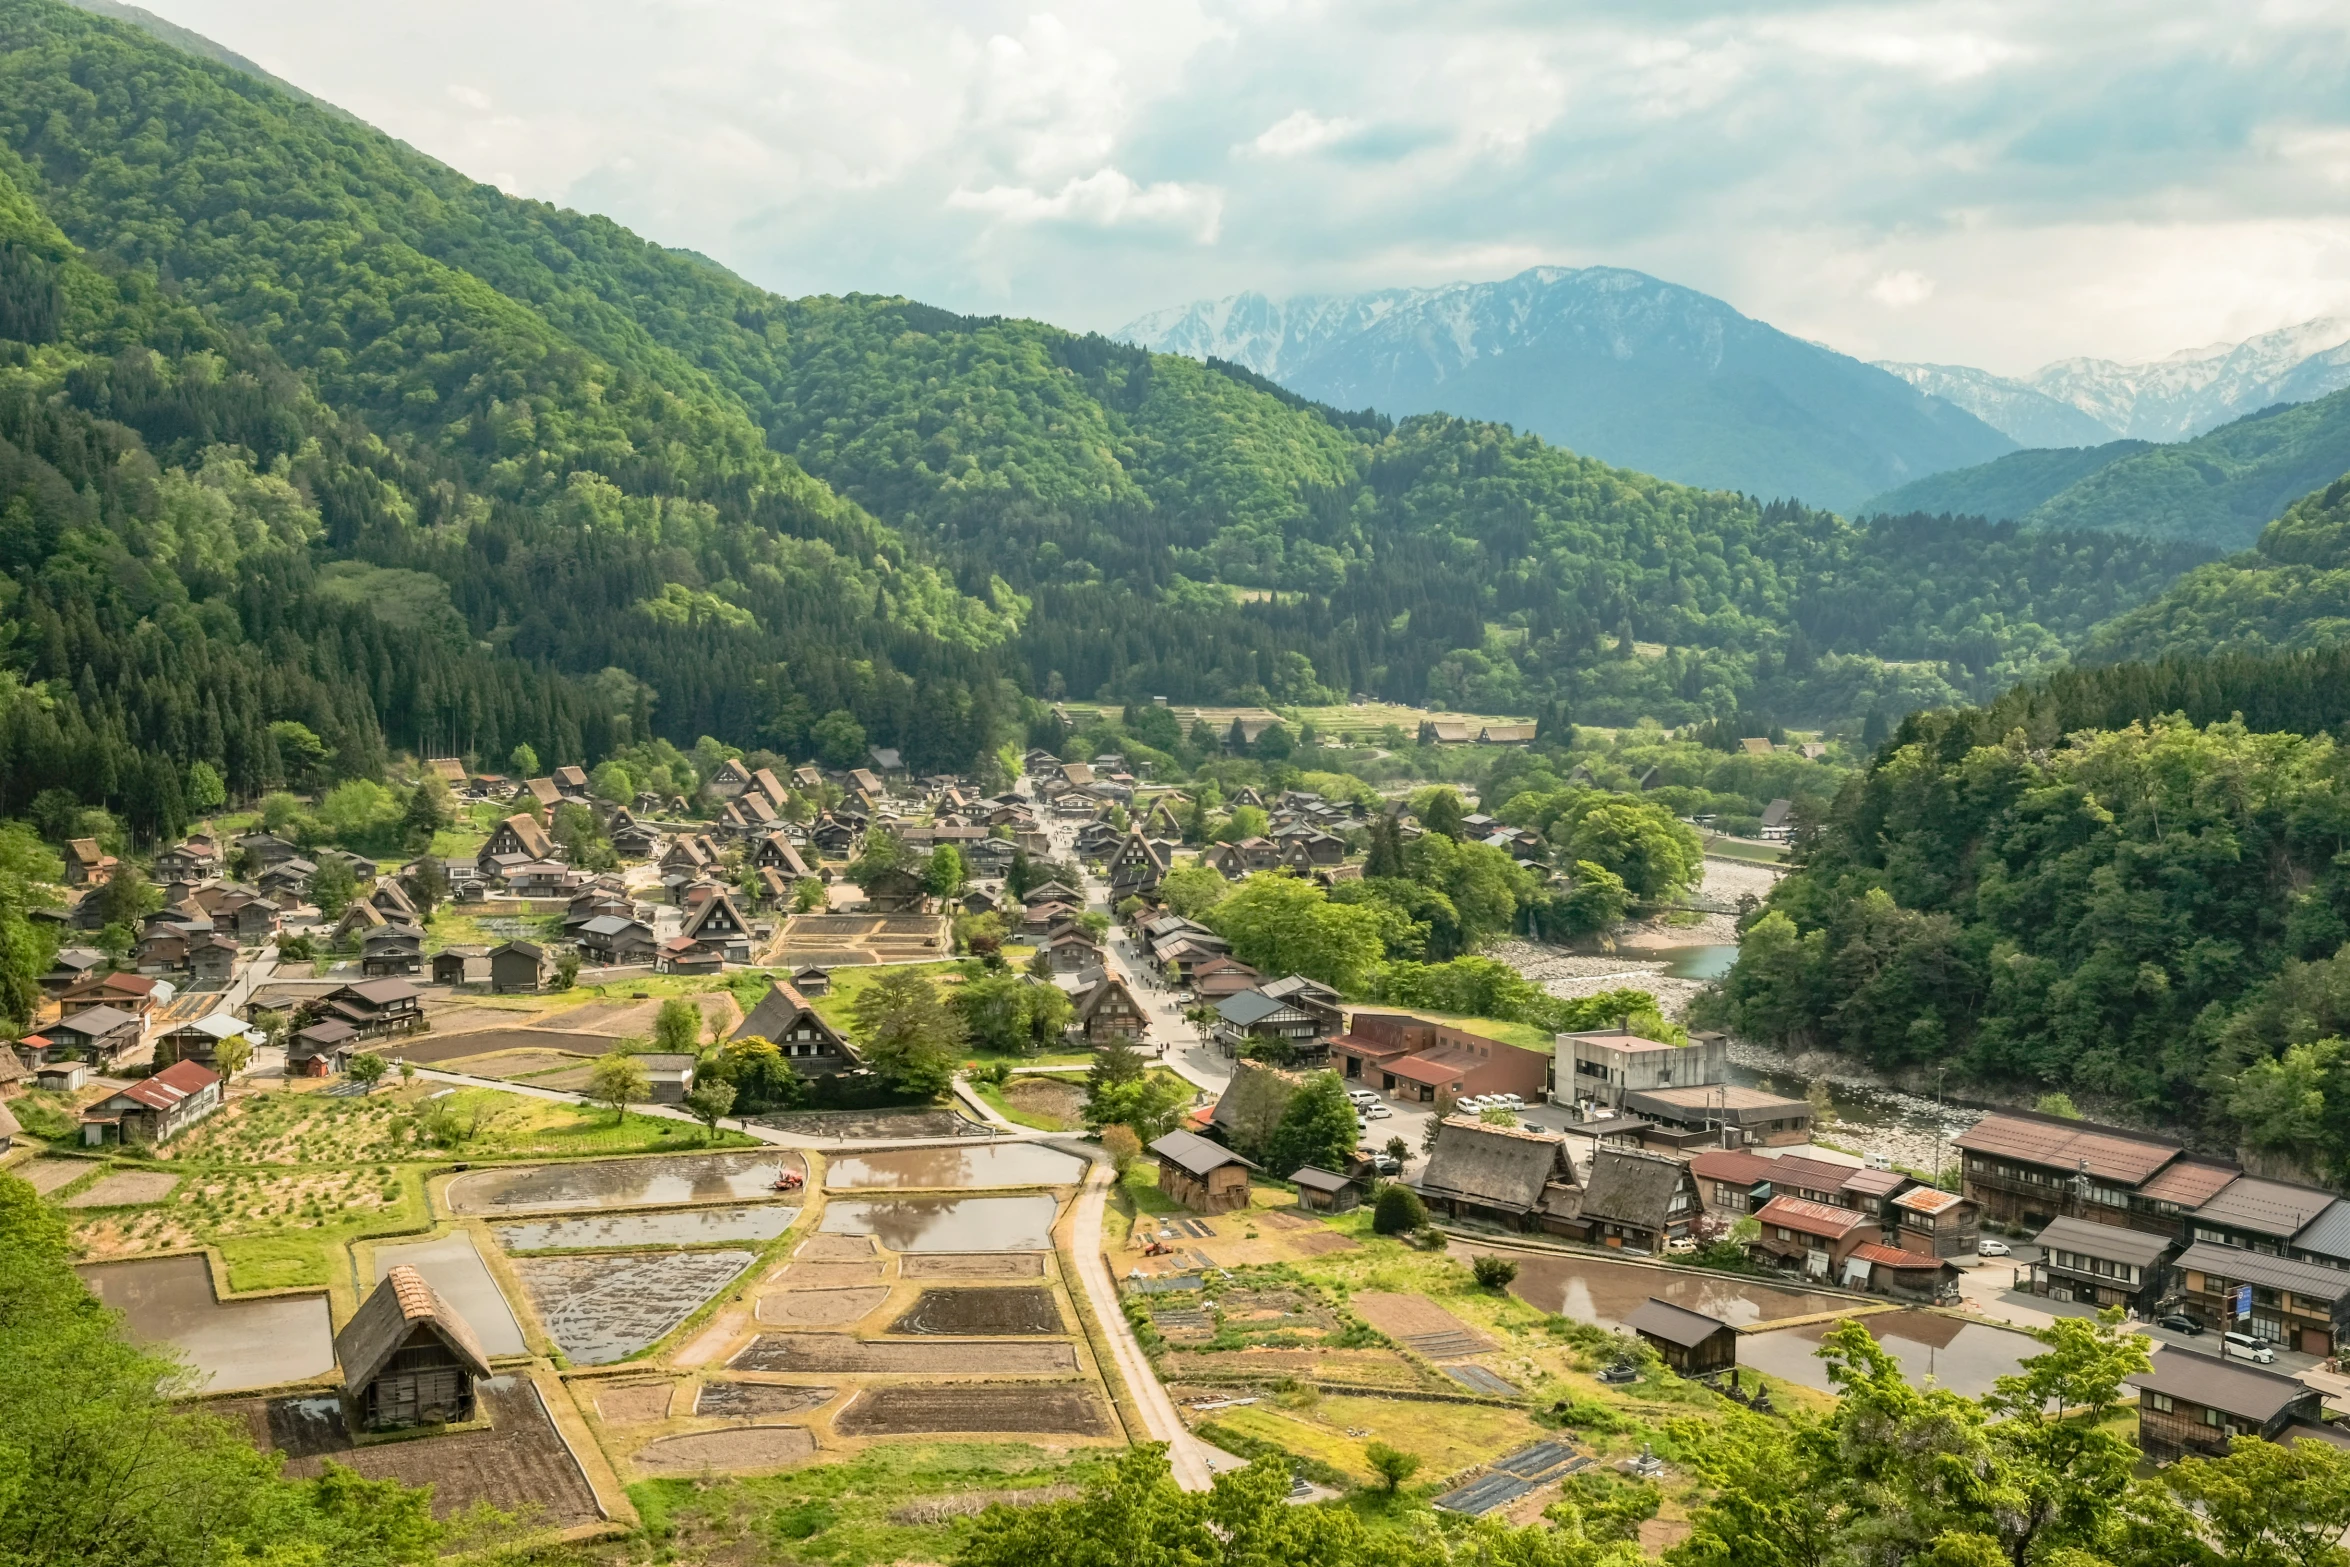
(968, 1224)
(457, 1274)
(603, 1308)
(1592, 1289)
(954, 1168)
(687, 1227)
(1965, 1357)
(661, 1182)
(233, 1344)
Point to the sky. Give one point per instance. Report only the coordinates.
(1995, 184)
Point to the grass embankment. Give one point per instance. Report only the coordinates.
(282, 1183)
(897, 1502)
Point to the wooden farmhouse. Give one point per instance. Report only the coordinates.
(407, 1358)
(1203, 1176)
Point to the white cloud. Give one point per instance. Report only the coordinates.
(1105, 198)
(2000, 182)
(1302, 132)
(1900, 290)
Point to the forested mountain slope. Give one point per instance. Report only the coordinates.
(2292, 590)
(2070, 888)
(2219, 489)
(583, 488)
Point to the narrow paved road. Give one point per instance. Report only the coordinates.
(1134, 1368)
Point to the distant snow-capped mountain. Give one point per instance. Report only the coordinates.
(2170, 399)
(1613, 363)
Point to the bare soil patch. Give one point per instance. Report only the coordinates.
(727, 1400)
(47, 1175)
(1018, 1311)
(507, 1065)
(1046, 1096)
(636, 1403)
(124, 1188)
(605, 1307)
(837, 1352)
(441, 1049)
(835, 1248)
(1418, 1323)
(1321, 1244)
(472, 1017)
(827, 1275)
(743, 1448)
(974, 1265)
(519, 1463)
(619, 1019)
(1361, 1367)
(875, 1123)
(906, 1411)
(821, 1308)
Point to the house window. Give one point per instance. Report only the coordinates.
(2160, 1403)
(1784, 1234)
(2212, 1417)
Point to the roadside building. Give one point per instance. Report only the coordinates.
(2102, 1265)
(1413, 1059)
(154, 1109)
(2299, 1305)
(1602, 1066)
(374, 1007)
(1704, 1114)
(1903, 1275)
(199, 1039)
(2196, 1405)
(1811, 1238)
(1690, 1342)
(1253, 1018)
(2257, 1214)
(521, 966)
(1105, 1010)
(100, 1035)
(1501, 1175)
(1637, 1200)
(408, 1359)
(460, 965)
(2024, 1168)
(1936, 1223)
(814, 1047)
(669, 1076)
(1203, 1176)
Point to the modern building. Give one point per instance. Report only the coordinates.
(1603, 1066)
(1413, 1059)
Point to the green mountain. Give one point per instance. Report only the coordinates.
(2290, 591)
(2218, 489)
(416, 465)
(2005, 488)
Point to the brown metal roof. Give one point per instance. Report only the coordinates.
(2111, 1242)
(2109, 1153)
(2236, 1266)
(2221, 1384)
(1811, 1218)
(1655, 1318)
(2270, 1207)
(2190, 1183)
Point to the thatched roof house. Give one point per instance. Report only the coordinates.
(407, 1358)
(1499, 1173)
(1637, 1199)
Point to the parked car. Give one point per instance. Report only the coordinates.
(1382, 1163)
(1680, 1245)
(2180, 1322)
(1362, 1096)
(1988, 1247)
(1378, 1112)
(2243, 1346)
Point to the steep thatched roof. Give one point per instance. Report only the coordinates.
(1494, 1166)
(402, 1303)
(1630, 1187)
(1252, 1103)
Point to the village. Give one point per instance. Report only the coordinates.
(372, 1176)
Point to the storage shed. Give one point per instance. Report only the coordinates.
(1691, 1342)
(1321, 1191)
(407, 1358)
(1203, 1176)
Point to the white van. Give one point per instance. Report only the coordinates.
(2243, 1346)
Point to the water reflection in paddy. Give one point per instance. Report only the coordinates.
(233, 1344)
(1965, 1357)
(947, 1223)
(955, 1168)
(689, 1227)
(1592, 1289)
(621, 1183)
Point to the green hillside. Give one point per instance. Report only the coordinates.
(264, 366)
(2290, 591)
(2005, 488)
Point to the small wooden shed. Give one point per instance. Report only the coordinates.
(520, 966)
(1203, 1176)
(1691, 1342)
(1321, 1191)
(407, 1358)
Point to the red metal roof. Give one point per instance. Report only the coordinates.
(2108, 1152)
(1423, 1069)
(1894, 1256)
(171, 1085)
(1733, 1164)
(1812, 1218)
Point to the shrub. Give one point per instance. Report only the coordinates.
(1123, 1147)
(1392, 1465)
(1397, 1210)
(1494, 1272)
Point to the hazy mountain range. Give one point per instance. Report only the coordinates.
(1613, 363)
(1650, 375)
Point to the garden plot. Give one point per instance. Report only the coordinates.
(602, 1308)
(444, 1050)
(977, 1265)
(1381, 1368)
(827, 1275)
(954, 1224)
(743, 1448)
(46, 1175)
(663, 1181)
(893, 1124)
(125, 1189)
(834, 1353)
(912, 1411)
(835, 1248)
(519, 1464)
(625, 1019)
(513, 1065)
(1048, 1098)
(971, 1313)
(821, 1308)
(954, 1168)
(1421, 1325)
(454, 1269)
(686, 1227)
(307, 1128)
(229, 1344)
(1273, 1311)
(743, 1400)
(633, 1403)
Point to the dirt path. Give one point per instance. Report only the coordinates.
(1158, 1410)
